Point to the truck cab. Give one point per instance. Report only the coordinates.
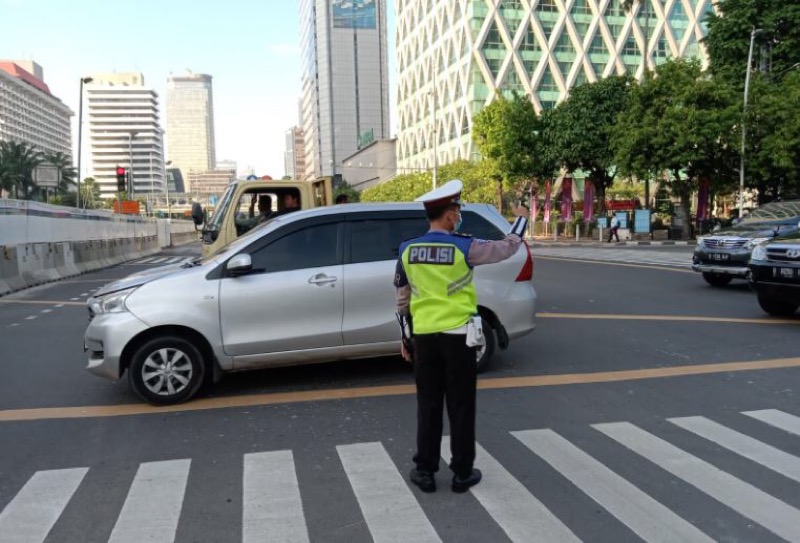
(238, 210)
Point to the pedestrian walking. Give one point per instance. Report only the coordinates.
(613, 231)
(438, 312)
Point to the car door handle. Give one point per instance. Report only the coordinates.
(322, 279)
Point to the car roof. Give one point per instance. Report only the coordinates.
(362, 207)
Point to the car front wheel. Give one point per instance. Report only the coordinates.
(716, 280)
(484, 353)
(166, 370)
(778, 308)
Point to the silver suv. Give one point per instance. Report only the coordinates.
(312, 286)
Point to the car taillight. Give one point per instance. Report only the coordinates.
(526, 274)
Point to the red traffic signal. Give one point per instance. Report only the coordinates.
(121, 179)
(120, 170)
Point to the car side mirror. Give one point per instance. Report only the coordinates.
(239, 265)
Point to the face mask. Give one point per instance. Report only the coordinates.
(458, 223)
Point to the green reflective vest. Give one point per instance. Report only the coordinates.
(442, 294)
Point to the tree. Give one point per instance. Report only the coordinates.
(507, 133)
(579, 129)
(772, 95)
(680, 122)
(17, 162)
(352, 194)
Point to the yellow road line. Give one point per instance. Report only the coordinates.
(40, 302)
(663, 267)
(666, 318)
(391, 390)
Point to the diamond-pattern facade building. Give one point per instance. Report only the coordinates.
(454, 55)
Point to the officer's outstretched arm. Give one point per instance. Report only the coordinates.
(482, 251)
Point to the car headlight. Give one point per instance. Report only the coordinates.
(111, 303)
(755, 241)
(759, 253)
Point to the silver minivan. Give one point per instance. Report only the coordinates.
(307, 287)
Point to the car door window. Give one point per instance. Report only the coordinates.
(379, 239)
(478, 227)
(311, 247)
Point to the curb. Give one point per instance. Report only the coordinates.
(594, 243)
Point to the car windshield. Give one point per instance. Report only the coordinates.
(225, 202)
(774, 211)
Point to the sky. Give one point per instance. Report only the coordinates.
(251, 48)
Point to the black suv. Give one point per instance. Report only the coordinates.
(775, 275)
(724, 255)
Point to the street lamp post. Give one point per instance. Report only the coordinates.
(753, 35)
(131, 135)
(80, 138)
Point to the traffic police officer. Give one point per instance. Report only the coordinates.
(436, 298)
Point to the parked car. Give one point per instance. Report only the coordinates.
(306, 287)
(775, 275)
(723, 256)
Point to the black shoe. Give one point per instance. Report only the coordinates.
(424, 480)
(463, 483)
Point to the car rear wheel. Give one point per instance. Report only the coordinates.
(716, 280)
(484, 353)
(778, 308)
(166, 370)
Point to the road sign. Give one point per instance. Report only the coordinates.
(46, 175)
(252, 177)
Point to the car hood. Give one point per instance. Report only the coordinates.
(140, 278)
(757, 230)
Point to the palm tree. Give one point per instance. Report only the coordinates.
(17, 162)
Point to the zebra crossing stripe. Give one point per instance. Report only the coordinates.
(389, 508)
(766, 455)
(159, 260)
(768, 511)
(36, 508)
(778, 419)
(153, 506)
(645, 516)
(272, 508)
(521, 516)
(174, 260)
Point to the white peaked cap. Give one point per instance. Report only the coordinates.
(447, 194)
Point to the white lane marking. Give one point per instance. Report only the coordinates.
(35, 509)
(272, 508)
(84, 293)
(766, 455)
(778, 419)
(153, 506)
(30, 318)
(47, 310)
(73, 299)
(58, 305)
(14, 324)
(388, 505)
(773, 514)
(645, 516)
(521, 516)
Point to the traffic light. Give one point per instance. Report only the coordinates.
(120, 179)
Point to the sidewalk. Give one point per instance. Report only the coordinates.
(563, 241)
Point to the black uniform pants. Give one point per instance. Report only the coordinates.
(445, 370)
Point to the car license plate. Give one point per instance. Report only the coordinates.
(785, 273)
(719, 256)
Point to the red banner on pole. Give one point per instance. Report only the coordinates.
(533, 209)
(547, 189)
(703, 194)
(588, 200)
(566, 199)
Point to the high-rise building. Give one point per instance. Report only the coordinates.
(453, 58)
(294, 155)
(123, 130)
(29, 113)
(345, 85)
(190, 123)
